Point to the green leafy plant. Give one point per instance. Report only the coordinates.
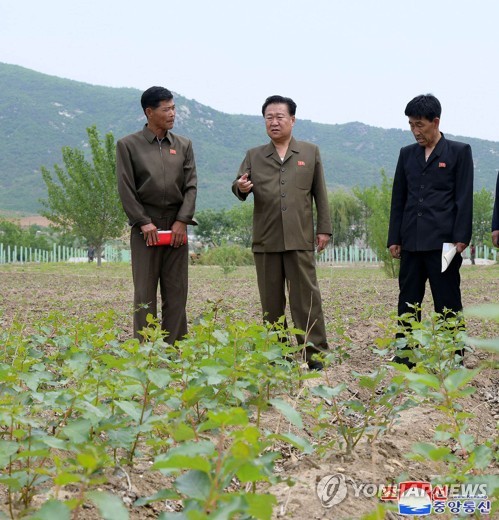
(77, 401)
(352, 418)
(438, 379)
(228, 453)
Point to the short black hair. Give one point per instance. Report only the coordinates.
(280, 99)
(152, 97)
(425, 105)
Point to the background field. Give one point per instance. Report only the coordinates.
(359, 303)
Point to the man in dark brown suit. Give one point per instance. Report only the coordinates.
(157, 183)
(285, 176)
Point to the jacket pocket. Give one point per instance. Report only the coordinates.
(304, 179)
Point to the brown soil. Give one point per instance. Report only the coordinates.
(360, 300)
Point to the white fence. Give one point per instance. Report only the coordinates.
(20, 254)
(331, 255)
(340, 255)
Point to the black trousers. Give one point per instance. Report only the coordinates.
(418, 267)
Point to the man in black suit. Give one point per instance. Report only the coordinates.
(495, 216)
(432, 203)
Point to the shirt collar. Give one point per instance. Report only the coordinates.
(440, 144)
(151, 136)
(293, 146)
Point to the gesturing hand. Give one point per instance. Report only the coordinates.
(244, 184)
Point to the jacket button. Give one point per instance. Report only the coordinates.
(284, 208)
(283, 181)
(283, 169)
(283, 194)
(420, 214)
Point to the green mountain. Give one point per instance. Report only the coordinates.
(39, 114)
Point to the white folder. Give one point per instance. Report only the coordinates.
(448, 252)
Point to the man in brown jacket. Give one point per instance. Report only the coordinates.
(157, 184)
(284, 176)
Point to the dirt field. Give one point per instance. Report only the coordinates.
(360, 300)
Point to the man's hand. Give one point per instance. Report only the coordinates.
(321, 240)
(495, 237)
(244, 184)
(150, 232)
(460, 247)
(179, 230)
(395, 250)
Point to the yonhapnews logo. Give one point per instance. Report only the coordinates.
(414, 497)
(421, 498)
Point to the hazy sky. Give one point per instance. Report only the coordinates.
(340, 60)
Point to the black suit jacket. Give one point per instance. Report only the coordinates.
(495, 215)
(432, 201)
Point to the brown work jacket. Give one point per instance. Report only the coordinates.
(283, 193)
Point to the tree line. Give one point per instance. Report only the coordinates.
(360, 216)
(82, 199)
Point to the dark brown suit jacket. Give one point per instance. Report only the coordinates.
(156, 180)
(283, 193)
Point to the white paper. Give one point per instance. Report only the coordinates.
(448, 252)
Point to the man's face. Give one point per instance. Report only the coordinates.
(163, 116)
(278, 122)
(426, 132)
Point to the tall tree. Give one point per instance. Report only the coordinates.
(483, 204)
(346, 214)
(84, 198)
(376, 201)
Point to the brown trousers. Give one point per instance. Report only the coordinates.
(167, 266)
(296, 270)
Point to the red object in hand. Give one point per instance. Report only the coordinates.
(165, 238)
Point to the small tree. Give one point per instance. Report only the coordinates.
(213, 226)
(219, 227)
(377, 202)
(483, 204)
(85, 199)
(241, 223)
(346, 214)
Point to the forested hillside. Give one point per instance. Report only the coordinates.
(39, 114)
